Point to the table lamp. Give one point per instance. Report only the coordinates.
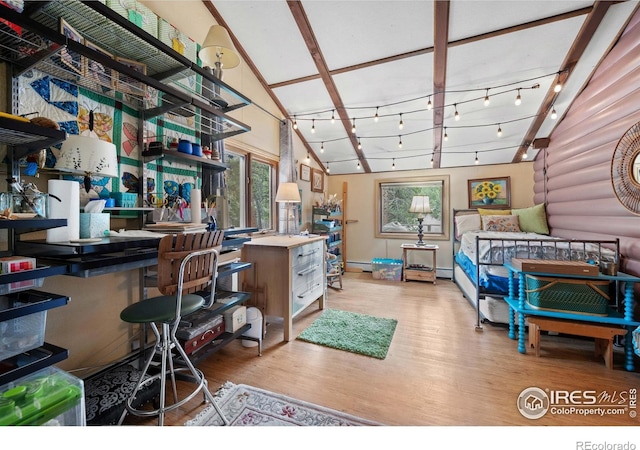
(420, 206)
(218, 51)
(88, 156)
(288, 193)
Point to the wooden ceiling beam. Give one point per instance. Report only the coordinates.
(440, 49)
(301, 19)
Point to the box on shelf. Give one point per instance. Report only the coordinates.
(21, 334)
(12, 264)
(564, 294)
(137, 13)
(125, 199)
(386, 269)
(235, 318)
(47, 397)
(94, 225)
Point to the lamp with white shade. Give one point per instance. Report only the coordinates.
(88, 156)
(420, 206)
(218, 51)
(288, 193)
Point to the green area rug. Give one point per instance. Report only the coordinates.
(353, 332)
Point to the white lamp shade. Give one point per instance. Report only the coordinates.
(288, 193)
(217, 46)
(420, 204)
(86, 155)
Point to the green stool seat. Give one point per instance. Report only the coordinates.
(160, 309)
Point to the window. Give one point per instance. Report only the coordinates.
(247, 199)
(393, 200)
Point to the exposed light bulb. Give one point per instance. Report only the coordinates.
(554, 114)
(313, 126)
(322, 147)
(429, 105)
(328, 169)
(477, 161)
(456, 115)
(393, 165)
(446, 136)
(353, 127)
(518, 98)
(486, 99)
(499, 131)
(308, 158)
(376, 117)
(359, 144)
(295, 123)
(358, 166)
(558, 87)
(400, 142)
(333, 117)
(432, 161)
(525, 155)
(401, 124)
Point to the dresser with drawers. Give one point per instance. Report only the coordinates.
(287, 275)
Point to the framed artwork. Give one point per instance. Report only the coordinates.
(96, 71)
(490, 193)
(128, 84)
(317, 180)
(70, 59)
(305, 173)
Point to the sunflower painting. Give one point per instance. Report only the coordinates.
(490, 193)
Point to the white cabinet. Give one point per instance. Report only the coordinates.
(287, 276)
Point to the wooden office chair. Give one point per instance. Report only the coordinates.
(187, 270)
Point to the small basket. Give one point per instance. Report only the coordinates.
(565, 294)
(125, 199)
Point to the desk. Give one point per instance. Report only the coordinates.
(516, 299)
(419, 273)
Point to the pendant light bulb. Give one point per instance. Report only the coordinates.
(322, 147)
(333, 117)
(313, 126)
(518, 98)
(431, 160)
(399, 142)
(477, 161)
(456, 115)
(328, 169)
(308, 159)
(401, 124)
(393, 164)
(499, 131)
(353, 127)
(359, 144)
(554, 114)
(295, 123)
(486, 99)
(558, 87)
(525, 155)
(429, 104)
(358, 166)
(446, 136)
(376, 117)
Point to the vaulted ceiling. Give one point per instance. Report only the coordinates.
(330, 65)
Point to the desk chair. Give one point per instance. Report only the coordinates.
(187, 268)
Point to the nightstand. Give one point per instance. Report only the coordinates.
(419, 272)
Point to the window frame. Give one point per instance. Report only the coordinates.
(445, 232)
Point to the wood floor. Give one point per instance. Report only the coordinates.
(439, 369)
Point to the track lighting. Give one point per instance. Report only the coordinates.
(486, 98)
(518, 98)
(554, 114)
(456, 115)
(477, 161)
(313, 126)
(401, 124)
(499, 131)
(375, 118)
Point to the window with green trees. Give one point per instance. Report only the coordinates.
(394, 202)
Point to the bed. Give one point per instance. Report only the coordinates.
(484, 240)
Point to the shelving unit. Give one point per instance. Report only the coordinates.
(330, 223)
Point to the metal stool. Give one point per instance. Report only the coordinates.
(187, 267)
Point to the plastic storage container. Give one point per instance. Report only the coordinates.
(48, 397)
(386, 269)
(21, 334)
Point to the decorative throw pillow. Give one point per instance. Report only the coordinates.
(500, 223)
(533, 219)
(467, 222)
(494, 212)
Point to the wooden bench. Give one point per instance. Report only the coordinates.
(603, 334)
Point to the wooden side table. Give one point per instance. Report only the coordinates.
(419, 272)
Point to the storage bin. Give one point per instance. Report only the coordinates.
(235, 318)
(46, 397)
(566, 294)
(21, 334)
(386, 269)
(125, 199)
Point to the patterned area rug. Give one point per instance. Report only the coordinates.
(245, 405)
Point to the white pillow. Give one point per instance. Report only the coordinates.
(467, 222)
(500, 223)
